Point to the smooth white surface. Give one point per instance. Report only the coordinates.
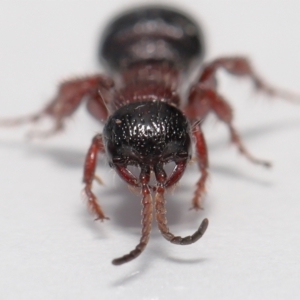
(50, 248)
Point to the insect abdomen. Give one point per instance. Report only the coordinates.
(151, 34)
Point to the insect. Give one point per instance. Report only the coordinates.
(148, 123)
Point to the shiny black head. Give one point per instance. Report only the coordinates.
(147, 133)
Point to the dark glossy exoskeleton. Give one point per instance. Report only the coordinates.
(149, 52)
(147, 133)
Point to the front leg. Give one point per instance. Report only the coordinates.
(204, 97)
(89, 176)
(69, 96)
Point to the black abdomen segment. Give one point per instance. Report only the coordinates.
(151, 34)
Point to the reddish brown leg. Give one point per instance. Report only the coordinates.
(162, 223)
(176, 174)
(161, 218)
(69, 96)
(126, 175)
(224, 112)
(241, 67)
(202, 157)
(204, 98)
(89, 176)
(146, 220)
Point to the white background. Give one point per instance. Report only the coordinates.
(50, 247)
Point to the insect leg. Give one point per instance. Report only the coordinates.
(89, 176)
(204, 98)
(202, 158)
(160, 211)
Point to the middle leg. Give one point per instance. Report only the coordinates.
(202, 158)
(204, 97)
(160, 213)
